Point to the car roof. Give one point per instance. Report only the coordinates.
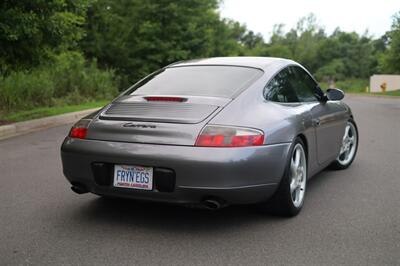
(244, 61)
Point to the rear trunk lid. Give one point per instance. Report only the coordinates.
(134, 118)
(191, 110)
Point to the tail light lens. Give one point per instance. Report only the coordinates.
(223, 136)
(79, 130)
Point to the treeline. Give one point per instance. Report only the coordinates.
(69, 51)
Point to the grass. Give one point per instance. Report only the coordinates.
(349, 85)
(358, 86)
(388, 93)
(40, 112)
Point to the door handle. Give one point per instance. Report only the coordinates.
(316, 122)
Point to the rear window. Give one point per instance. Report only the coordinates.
(214, 81)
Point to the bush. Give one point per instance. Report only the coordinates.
(332, 71)
(71, 75)
(99, 84)
(348, 85)
(353, 85)
(68, 79)
(68, 72)
(24, 90)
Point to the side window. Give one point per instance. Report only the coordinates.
(280, 89)
(304, 85)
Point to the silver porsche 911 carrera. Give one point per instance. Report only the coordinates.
(214, 132)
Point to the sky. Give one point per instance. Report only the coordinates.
(359, 16)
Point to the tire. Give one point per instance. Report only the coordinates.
(286, 202)
(350, 145)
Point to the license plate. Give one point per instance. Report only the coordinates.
(132, 176)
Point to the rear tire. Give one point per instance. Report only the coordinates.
(289, 197)
(349, 147)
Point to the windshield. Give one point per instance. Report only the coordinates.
(212, 81)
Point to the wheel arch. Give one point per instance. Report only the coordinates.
(304, 139)
(306, 149)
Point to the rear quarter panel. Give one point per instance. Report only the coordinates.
(280, 122)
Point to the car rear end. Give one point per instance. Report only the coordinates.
(157, 142)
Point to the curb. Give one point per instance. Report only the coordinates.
(20, 128)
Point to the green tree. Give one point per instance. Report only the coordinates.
(226, 39)
(31, 30)
(137, 37)
(251, 40)
(390, 59)
(332, 71)
(356, 53)
(300, 43)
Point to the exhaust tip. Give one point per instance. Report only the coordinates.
(212, 204)
(79, 189)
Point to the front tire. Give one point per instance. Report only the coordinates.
(289, 198)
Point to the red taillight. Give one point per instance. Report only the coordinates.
(79, 130)
(222, 136)
(164, 99)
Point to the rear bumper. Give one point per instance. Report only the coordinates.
(234, 175)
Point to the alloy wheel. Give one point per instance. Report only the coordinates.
(349, 145)
(298, 173)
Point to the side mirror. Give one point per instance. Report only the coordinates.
(334, 94)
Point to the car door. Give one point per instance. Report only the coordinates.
(328, 117)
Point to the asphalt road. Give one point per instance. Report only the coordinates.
(350, 217)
